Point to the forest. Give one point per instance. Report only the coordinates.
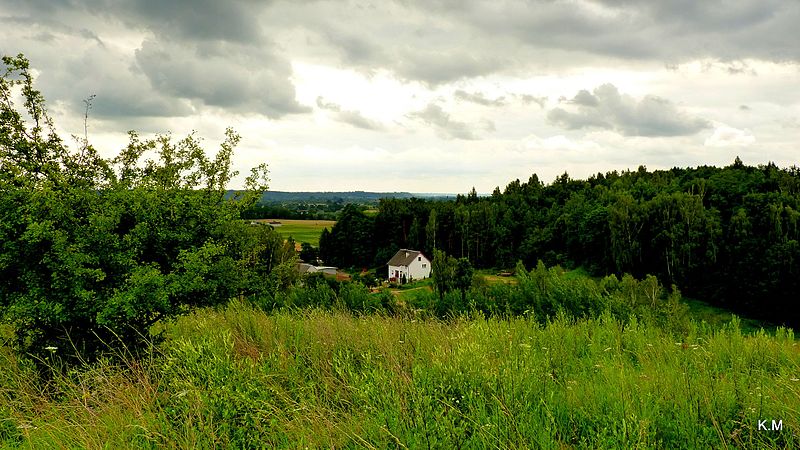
(728, 235)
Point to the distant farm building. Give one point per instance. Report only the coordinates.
(408, 265)
(304, 268)
(328, 271)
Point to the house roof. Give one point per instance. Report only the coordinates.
(305, 268)
(404, 257)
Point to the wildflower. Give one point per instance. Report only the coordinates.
(51, 349)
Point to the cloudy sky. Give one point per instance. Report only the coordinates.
(426, 96)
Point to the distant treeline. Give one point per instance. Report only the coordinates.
(320, 205)
(294, 210)
(343, 197)
(729, 235)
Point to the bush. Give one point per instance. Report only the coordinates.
(93, 251)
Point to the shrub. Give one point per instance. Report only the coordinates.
(93, 251)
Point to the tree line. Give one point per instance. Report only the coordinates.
(724, 234)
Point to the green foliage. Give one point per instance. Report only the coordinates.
(237, 377)
(451, 274)
(349, 243)
(729, 235)
(94, 251)
(308, 253)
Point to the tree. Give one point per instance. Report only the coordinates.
(308, 253)
(94, 251)
(430, 230)
(443, 272)
(462, 279)
(349, 243)
(451, 274)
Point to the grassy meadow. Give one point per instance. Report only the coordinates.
(302, 230)
(238, 377)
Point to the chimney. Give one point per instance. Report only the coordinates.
(406, 253)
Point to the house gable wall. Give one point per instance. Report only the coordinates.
(418, 269)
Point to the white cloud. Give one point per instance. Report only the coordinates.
(725, 136)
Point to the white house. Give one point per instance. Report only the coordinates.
(407, 265)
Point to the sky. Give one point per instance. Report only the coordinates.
(425, 96)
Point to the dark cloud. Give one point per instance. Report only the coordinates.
(66, 78)
(193, 20)
(350, 117)
(221, 75)
(236, 20)
(442, 66)
(606, 108)
(125, 103)
(437, 42)
(120, 91)
(198, 53)
(48, 31)
(479, 98)
(434, 115)
(356, 48)
(584, 98)
(45, 36)
(681, 30)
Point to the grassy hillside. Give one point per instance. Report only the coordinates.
(241, 378)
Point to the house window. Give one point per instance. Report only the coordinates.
(419, 258)
(424, 265)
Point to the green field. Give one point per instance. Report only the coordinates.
(238, 377)
(301, 230)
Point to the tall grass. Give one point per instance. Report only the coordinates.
(239, 377)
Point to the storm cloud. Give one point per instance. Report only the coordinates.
(189, 55)
(606, 108)
(221, 75)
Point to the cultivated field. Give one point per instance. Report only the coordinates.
(301, 230)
